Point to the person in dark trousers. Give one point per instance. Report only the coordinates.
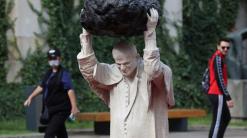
(58, 96)
(218, 95)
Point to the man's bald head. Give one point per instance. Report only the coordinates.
(126, 58)
(123, 47)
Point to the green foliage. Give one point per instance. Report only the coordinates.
(201, 28)
(63, 29)
(13, 127)
(11, 94)
(34, 68)
(11, 101)
(3, 40)
(203, 22)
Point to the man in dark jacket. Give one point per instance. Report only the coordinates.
(59, 99)
(218, 95)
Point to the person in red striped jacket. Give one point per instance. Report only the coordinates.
(218, 95)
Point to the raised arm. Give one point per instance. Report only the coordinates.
(152, 64)
(159, 73)
(86, 58)
(150, 34)
(86, 42)
(100, 76)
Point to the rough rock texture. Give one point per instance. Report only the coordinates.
(116, 17)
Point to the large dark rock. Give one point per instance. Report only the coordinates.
(116, 17)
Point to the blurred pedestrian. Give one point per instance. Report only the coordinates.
(59, 100)
(218, 95)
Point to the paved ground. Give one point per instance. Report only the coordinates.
(195, 133)
(192, 133)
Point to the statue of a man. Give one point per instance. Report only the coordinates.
(138, 91)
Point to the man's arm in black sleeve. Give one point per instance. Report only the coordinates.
(219, 77)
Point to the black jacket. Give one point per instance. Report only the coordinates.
(55, 97)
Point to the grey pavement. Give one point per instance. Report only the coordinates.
(191, 133)
(197, 132)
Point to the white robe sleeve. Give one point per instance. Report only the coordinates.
(157, 71)
(87, 64)
(100, 76)
(168, 85)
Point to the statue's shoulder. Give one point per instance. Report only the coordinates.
(166, 68)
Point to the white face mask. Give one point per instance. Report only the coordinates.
(54, 63)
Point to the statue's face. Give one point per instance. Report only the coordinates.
(126, 63)
(224, 47)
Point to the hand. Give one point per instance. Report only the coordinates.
(152, 20)
(85, 32)
(230, 103)
(86, 42)
(74, 110)
(85, 38)
(27, 102)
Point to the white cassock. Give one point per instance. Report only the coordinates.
(138, 109)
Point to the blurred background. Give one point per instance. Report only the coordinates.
(187, 36)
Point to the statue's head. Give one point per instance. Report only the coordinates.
(126, 58)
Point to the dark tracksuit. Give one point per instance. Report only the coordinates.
(55, 97)
(218, 95)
